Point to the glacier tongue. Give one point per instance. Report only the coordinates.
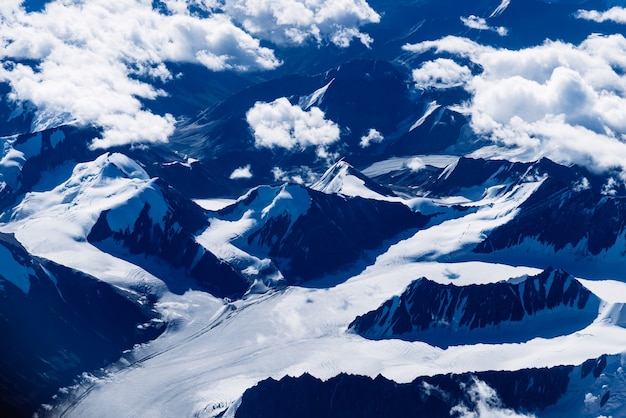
(216, 353)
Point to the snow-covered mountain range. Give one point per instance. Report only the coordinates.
(242, 208)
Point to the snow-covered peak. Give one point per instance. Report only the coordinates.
(265, 202)
(315, 99)
(108, 181)
(343, 179)
(108, 166)
(127, 186)
(289, 199)
(429, 109)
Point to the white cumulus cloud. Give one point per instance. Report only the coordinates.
(372, 137)
(615, 14)
(93, 61)
(441, 73)
(298, 21)
(558, 100)
(80, 61)
(415, 164)
(241, 173)
(279, 124)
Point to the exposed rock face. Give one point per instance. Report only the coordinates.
(572, 207)
(323, 232)
(170, 237)
(447, 315)
(530, 390)
(56, 323)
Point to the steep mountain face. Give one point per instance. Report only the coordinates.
(16, 120)
(221, 139)
(471, 175)
(28, 158)
(550, 304)
(169, 236)
(436, 130)
(586, 389)
(530, 390)
(573, 210)
(160, 222)
(113, 203)
(56, 323)
(25, 157)
(343, 179)
(309, 233)
(362, 97)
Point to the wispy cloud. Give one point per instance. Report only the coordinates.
(480, 23)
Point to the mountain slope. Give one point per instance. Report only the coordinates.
(165, 227)
(550, 304)
(56, 323)
(584, 390)
(113, 203)
(572, 208)
(342, 178)
(309, 233)
(437, 396)
(360, 145)
(362, 98)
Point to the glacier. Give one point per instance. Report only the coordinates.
(442, 234)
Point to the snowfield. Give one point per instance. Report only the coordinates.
(257, 175)
(214, 349)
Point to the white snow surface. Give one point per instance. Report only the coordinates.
(315, 98)
(226, 236)
(214, 204)
(430, 108)
(14, 156)
(54, 223)
(217, 349)
(213, 350)
(401, 163)
(339, 179)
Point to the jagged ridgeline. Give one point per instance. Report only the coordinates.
(501, 393)
(548, 305)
